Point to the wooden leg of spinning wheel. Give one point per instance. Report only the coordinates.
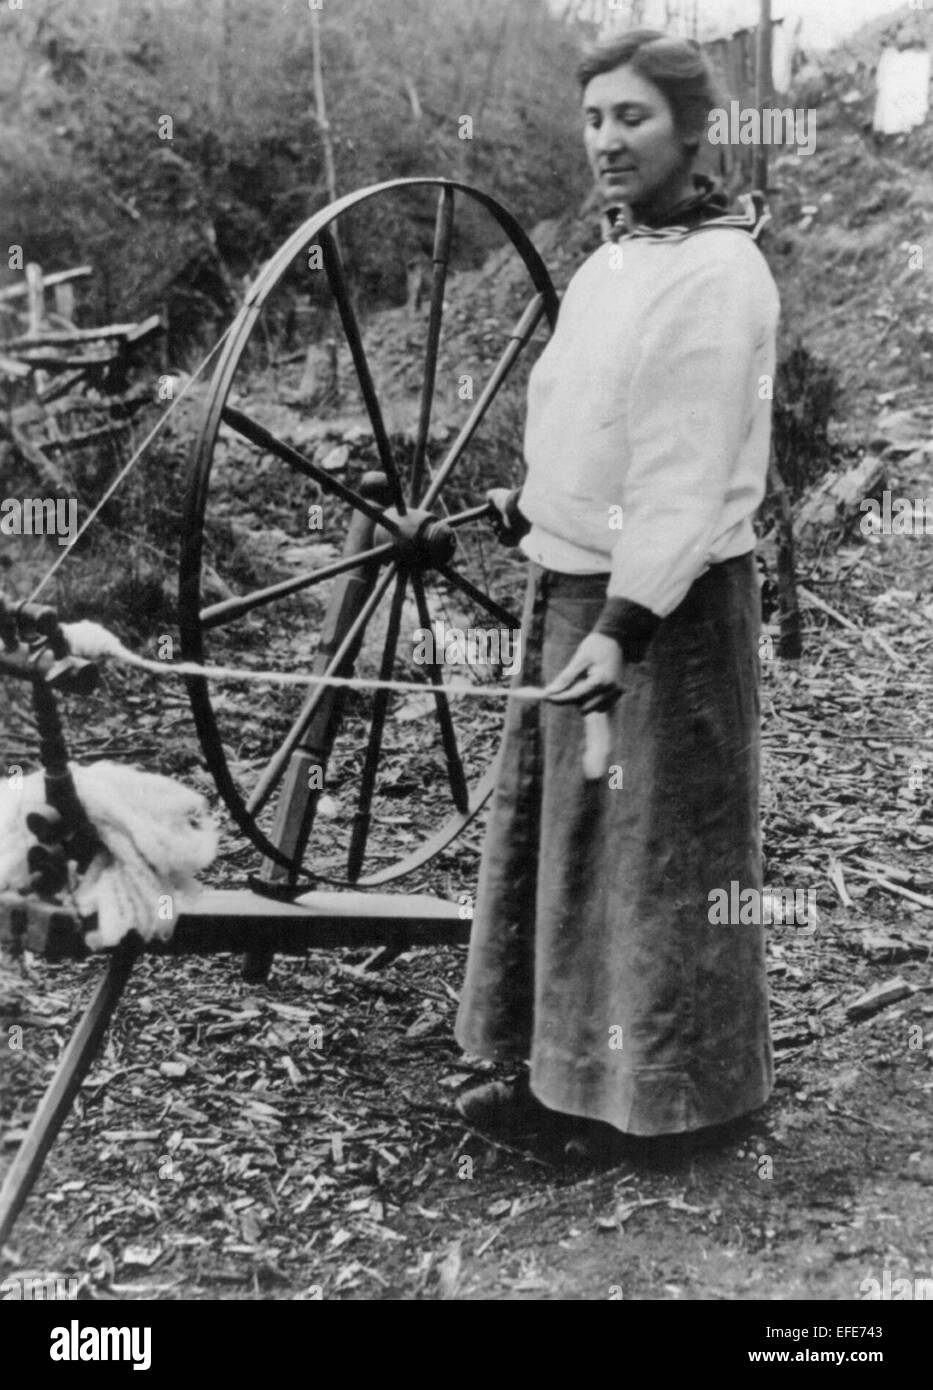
(303, 781)
(71, 1071)
(256, 965)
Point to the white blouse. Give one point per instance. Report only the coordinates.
(649, 414)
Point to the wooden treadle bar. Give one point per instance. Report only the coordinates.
(237, 920)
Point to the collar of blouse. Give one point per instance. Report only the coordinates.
(706, 208)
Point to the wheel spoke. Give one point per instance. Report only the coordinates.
(361, 817)
(231, 608)
(471, 514)
(337, 280)
(458, 783)
(480, 551)
(433, 846)
(460, 581)
(521, 334)
(443, 234)
(279, 762)
(264, 439)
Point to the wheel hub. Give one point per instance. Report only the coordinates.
(422, 541)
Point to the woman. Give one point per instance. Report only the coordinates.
(593, 957)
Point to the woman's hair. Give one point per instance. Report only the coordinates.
(676, 67)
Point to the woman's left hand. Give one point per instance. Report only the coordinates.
(592, 677)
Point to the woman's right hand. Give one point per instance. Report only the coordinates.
(592, 677)
(507, 521)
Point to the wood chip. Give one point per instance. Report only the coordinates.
(873, 1000)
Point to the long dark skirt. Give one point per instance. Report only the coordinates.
(592, 954)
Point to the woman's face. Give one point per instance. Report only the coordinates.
(633, 146)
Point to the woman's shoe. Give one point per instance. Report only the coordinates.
(593, 1142)
(504, 1107)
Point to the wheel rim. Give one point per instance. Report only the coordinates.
(393, 576)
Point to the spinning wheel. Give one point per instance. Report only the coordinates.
(417, 551)
(412, 525)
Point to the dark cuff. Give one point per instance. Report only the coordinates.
(519, 524)
(515, 525)
(629, 624)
